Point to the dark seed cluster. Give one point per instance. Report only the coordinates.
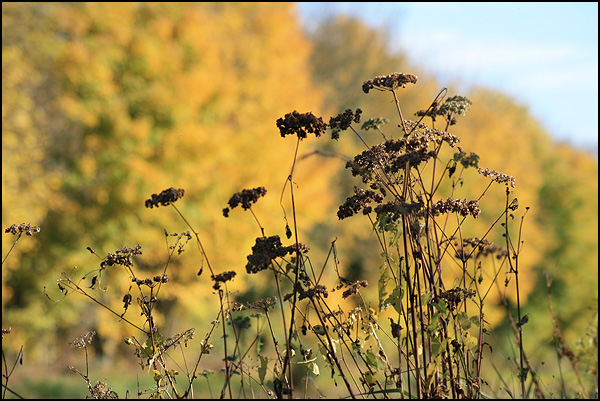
(392, 155)
(396, 208)
(376, 157)
(413, 158)
(311, 293)
(165, 198)
(151, 282)
(301, 124)
(422, 136)
(360, 200)
(374, 123)
(478, 243)
(245, 198)
(222, 278)
(389, 82)
(266, 249)
(354, 288)
(343, 121)
(28, 229)
(456, 105)
(496, 176)
(101, 391)
(6, 331)
(461, 206)
(264, 304)
(455, 296)
(366, 163)
(83, 341)
(484, 248)
(122, 256)
(145, 281)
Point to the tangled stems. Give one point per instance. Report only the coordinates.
(168, 197)
(300, 124)
(436, 352)
(514, 268)
(411, 215)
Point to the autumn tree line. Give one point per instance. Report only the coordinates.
(106, 103)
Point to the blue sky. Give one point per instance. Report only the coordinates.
(544, 55)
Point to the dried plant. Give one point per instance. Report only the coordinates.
(436, 339)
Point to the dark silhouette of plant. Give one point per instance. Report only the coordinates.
(431, 286)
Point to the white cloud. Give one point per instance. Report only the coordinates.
(455, 50)
(555, 79)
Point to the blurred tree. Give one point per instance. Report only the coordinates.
(153, 96)
(107, 103)
(507, 139)
(345, 54)
(30, 179)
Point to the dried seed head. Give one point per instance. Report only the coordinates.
(354, 288)
(343, 121)
(222, 278)
(389, 82)
(422, 136)
(498, 177)
(360, 200)
(264, 304)
(122, 256)
(268, 248)
(300, 124)
(461, 206)
(83, 341)
(245, 198)
(484, 248)
(374, 123)
(22, 228)
(6, 331)
(165, 198)
(455, 296)
(311, 293)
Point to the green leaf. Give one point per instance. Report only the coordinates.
(371, 378)
(371, 359)
(437, 346)
(434, 325)
(395, 298)
(441, 306)
(262, 370)
(385, 275)
(469, 342)
(319, 330)
(464, 320)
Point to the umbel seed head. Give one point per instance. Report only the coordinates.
(389, 82)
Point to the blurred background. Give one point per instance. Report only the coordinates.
(104, 104)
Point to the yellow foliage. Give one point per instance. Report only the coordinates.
(183, 95)
(105, 104)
